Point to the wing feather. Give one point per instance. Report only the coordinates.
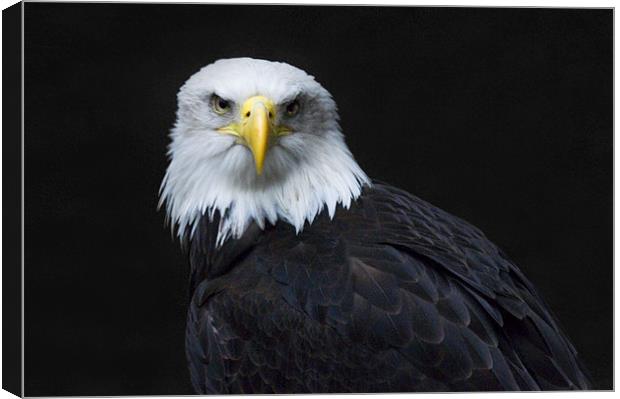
(392, 294)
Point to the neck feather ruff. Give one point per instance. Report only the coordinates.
(294, 188)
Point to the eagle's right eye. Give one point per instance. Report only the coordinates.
(220, 105)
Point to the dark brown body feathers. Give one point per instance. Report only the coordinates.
(392, 295)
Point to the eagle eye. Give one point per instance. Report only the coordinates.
(292, 108)
(219, 105)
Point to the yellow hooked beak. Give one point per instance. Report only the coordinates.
(256, 127)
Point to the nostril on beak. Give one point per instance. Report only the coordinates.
(247, 114)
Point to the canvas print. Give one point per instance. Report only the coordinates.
(315, 199)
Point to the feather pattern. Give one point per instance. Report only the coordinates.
(391, 295)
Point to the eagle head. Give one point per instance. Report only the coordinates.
(256, 141)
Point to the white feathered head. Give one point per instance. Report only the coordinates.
(256, 140)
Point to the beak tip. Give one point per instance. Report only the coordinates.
(259, 169)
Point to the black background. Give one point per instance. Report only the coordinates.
(500, 116)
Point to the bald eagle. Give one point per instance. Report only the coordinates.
(308, 276)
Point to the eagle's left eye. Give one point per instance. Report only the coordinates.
(292, 108)
(220, 105)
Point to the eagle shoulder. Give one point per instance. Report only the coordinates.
(392, 281)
